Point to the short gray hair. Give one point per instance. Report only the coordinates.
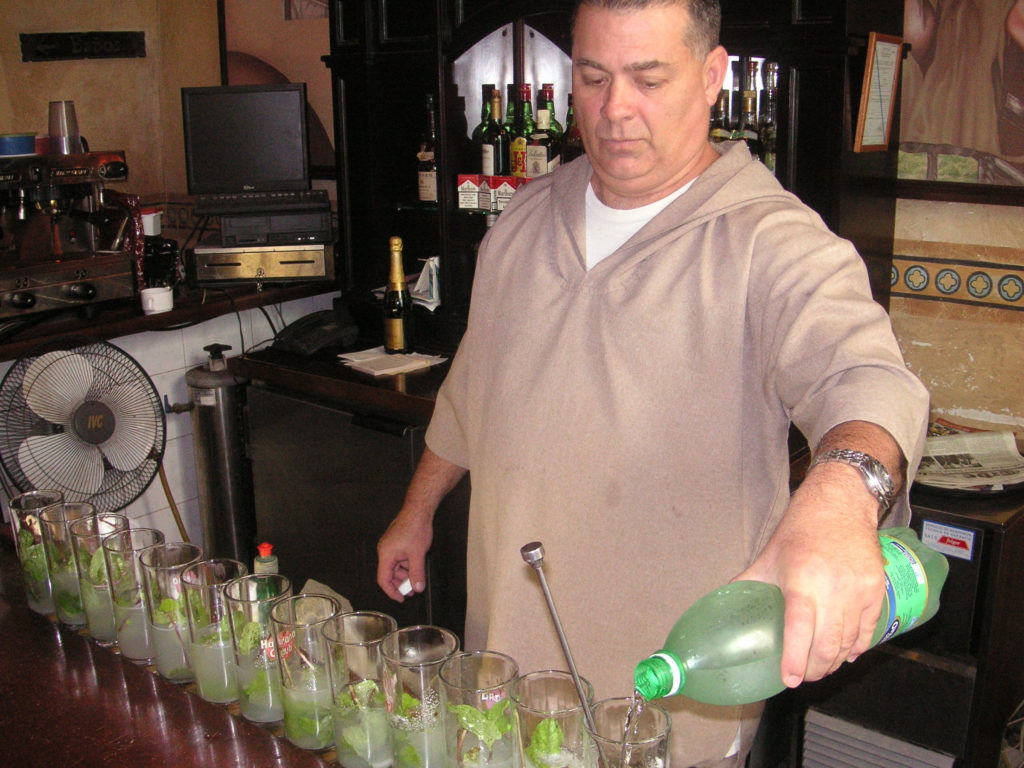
(705, 19)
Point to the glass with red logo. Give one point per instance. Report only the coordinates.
(302, 653)
(478, 709)
(249, 598)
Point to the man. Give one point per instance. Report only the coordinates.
(646, 321)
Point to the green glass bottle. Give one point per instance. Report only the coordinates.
(727, 648)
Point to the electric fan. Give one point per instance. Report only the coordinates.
(81, 416)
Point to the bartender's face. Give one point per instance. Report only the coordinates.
(642, 101)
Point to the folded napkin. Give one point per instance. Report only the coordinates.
(377, 362)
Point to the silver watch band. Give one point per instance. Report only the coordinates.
(876, 476)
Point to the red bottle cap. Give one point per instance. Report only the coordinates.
(264, 549)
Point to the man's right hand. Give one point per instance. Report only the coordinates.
(402, 550)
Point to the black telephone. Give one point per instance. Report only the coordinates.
(317, 330)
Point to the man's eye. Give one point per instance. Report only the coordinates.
(650, 84)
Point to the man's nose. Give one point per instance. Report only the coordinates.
(618, 102)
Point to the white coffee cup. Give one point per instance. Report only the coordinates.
(155, 300)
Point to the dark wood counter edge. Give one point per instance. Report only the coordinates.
(125, 317)
(407, 396)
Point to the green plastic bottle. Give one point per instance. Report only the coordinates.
(727, 648)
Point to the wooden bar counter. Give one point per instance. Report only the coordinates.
(66, 701)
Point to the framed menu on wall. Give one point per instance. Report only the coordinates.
(878, 93)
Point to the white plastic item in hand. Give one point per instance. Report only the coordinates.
(405, 588)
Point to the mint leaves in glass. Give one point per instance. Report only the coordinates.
(478, 709)
(24, 512)
(87, 534)
(124, 575)
(361, 738)
(60, 560)
(162, 566)
(210, 647)
(549, 722)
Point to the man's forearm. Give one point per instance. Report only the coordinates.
(433, 479)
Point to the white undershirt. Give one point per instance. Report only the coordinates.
(608, 228)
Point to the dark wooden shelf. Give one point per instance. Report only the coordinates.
(124, 317)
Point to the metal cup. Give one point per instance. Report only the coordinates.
(64, 136)
(28, 541)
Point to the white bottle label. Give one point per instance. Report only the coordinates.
(428, 186)
(487, 159)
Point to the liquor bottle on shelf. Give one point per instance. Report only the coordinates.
(547, 99)
(425, 162)
(485, 113)
(397, 305)
(748, 125)
(541, 149)
(511, 104)
(494, 147)
(736, 92)
(768, 121)
(521, 131)
(572, 141)
(720, 130)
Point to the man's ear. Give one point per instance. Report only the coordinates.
(716, 64)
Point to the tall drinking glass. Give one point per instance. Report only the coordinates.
(86, 540)
(257, 671)
(361, 737)
(302, 651)
(60, 559)
(28, 541)
(124, 575)
(549, 720)
(646, 745)
(478, 709)
(162, 566)
(211, 652)
(415, 700)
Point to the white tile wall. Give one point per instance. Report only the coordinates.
(166, 356)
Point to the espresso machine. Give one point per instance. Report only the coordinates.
(65, 242)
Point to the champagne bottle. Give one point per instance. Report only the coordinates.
(727, 648)
(720, 130)
(572, 142)
(521, 130)
(397, 305)
(485, 113)
(494, 150)
(425, 162)
(768, 122)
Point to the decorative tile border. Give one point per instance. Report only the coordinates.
(977, 283)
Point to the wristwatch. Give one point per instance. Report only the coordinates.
(876, 477)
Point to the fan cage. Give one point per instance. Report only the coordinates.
(111, 367)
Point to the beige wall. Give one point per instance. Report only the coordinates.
(129, 104)
(967, 349)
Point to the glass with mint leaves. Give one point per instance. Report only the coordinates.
(87, 535)
(479, 710)
(28, 542)
(162, 566)
(209, 628)
(549, 722)
(124, 575)
(60, 560)
(354, 639)
(260, 698)
(414, 695)
(305, 682)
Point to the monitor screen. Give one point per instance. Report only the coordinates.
(245, 138)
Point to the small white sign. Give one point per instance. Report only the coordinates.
(948, 539)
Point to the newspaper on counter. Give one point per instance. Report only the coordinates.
(971, 461)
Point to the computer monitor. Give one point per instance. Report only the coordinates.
(245, 138)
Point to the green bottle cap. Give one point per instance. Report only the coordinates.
(659, 675)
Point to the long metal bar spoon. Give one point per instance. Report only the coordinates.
(533, 554)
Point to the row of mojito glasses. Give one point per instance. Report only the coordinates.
(380, 695)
